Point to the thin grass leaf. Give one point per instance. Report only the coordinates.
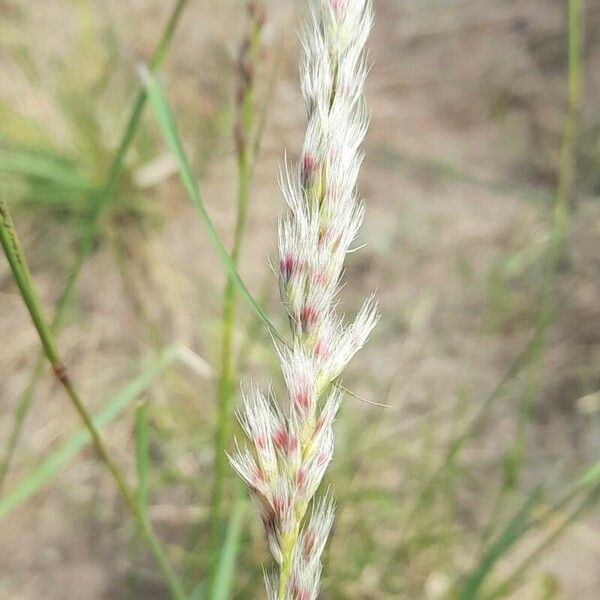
(515, 528)
(20, 270)
(141, 455)
(164, 116)
(584, 484)
(199, 592)
(225, 569)
(51, 465)
(46, 166)
(512, 582)
(591, 476)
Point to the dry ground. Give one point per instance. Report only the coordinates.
(466, 101)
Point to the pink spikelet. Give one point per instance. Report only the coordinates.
(292, 442)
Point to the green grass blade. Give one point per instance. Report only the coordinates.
(199, 592)
(225, 568)
(591, 475)
(46, 166)
(515, 528)
(504, 589)
(164, 116)
(141, 455)
(16, 260)
(51, 465)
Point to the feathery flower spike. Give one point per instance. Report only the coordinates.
(292, 446)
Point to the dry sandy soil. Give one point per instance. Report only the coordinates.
(467, 101)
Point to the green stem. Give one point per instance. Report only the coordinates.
(141, 455)
(559, 223)
(224, 578)
(12, 250)
(246, 151)
(225, 398)
(89, 233)
(514, 456)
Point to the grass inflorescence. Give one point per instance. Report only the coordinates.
(441, 484)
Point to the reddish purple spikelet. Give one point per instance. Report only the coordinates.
(286, 267)
(321, 350)
(301, 479)
(309, 543)
(281, 439)
(257, 479)
(308, 318)
(320, 278)
(309, 168)
(302, 401)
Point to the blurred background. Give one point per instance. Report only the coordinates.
(482, 243)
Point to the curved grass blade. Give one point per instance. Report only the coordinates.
(224, 572)
(504, 589)
(515, 528)
(166, 121)
(46, 166)
(591, 476)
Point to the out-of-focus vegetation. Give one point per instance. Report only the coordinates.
(467, 456)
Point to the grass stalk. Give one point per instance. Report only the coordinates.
(141, 455)
(246, 151)
(88, 235)
(566, 176)
(225, 398)
(224, 575)
(18, 265)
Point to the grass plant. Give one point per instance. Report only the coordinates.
(16, 260)
(292, 446)
(99, 200)
(426, 506)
